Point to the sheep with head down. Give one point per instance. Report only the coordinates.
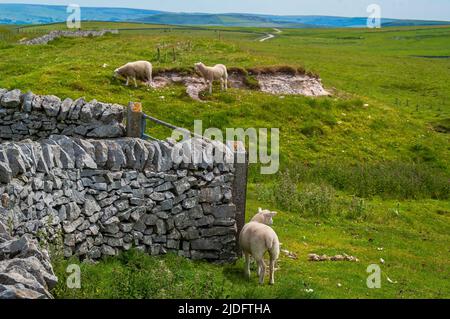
(257, 238)
(139, 70)
(210, 74)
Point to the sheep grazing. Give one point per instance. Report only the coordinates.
(139, 70)
(217, 72)
(256, 239)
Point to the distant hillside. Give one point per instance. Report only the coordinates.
(346, 22)
(229, 19)
(42, 14)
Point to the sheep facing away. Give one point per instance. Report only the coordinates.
(256, 238)
(139, 70)
(217, 72)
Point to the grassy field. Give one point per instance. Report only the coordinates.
(364, 172)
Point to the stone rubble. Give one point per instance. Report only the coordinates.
(25, 268)
(343, 257)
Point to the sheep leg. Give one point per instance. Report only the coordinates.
(135, 84)
(149, 82)
(210, 87)
(261, 271)
(221, 84)
(247, 265)
(272, 271)
(128, 79)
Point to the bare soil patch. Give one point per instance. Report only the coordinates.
(273, 80)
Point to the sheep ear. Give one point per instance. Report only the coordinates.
(259, 210)
(271, 214)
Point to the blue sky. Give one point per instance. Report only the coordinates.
(405, 9)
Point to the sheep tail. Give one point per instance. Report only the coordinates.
(269, 242)
(273, 246)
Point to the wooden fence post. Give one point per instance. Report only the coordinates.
(239, 191)
(134, 120)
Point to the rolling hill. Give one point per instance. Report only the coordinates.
(40, 14)
(43, 14)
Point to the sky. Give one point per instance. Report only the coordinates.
(402, 9)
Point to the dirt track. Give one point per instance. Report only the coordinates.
(270, 36)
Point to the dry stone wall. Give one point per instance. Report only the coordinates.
(35, 117)
(105, 196)
(64, 33)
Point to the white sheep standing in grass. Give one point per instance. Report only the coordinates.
(139, 70)
(217, 72)
(256, 239)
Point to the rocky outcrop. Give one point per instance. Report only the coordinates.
(62, 33)
(105, 196)
(33, 116)
(25, 269)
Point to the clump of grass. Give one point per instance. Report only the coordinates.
(422, 153)
(272, 70)
(356, 208)
(182, 70)
(312, 128)
(312, 74)
(316, 200)
(78, 86)
(286, 69)
(442, 126)
(350, 104)
(251, 82)
(306, 199)
(237, 71)
(390, 180)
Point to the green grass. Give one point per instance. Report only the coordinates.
(414, 243)
(364, 169)
(137, 275)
